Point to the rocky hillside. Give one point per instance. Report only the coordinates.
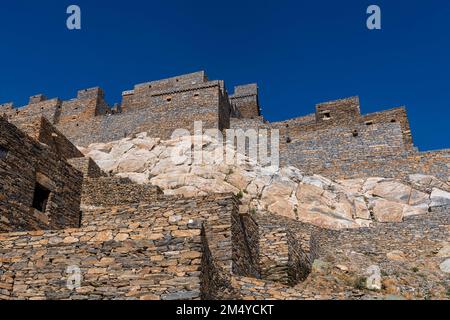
(287, 192)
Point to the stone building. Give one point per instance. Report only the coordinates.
(60, 214)
(337, 140)
(39, 189)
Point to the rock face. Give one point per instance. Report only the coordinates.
(445, 266)
(283, 191)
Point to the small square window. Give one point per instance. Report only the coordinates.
(169, 99)
(40, 199)
(326, 115)
(3, 152)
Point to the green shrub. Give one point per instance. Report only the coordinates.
(360, 283)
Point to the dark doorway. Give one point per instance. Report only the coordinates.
(41, 195)
(3, 152)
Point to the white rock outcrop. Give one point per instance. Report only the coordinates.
(286, 191)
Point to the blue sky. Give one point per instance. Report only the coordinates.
(300, 52)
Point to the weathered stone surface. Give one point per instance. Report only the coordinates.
(180, 238)
(287, 192)
(392, 191)
(440, 198)
(445, 266)
(387, 211)
(396, 255)
(444, 252)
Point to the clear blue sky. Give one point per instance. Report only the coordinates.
(300, 52)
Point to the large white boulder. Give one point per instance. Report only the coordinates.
(440, 198)
(387, 211)
(284, 191)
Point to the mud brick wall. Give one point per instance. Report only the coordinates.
(24, 163)
(87, 167)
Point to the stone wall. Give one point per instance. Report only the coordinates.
(247, 252)
(158, 107)
(156, 259)
(151, 250)
(407, 254)
(40, 129)
(38, 188)
(399, 166)
(111, 191)
(318, 150)
(336, 139)
(87, 167)
(245, 100)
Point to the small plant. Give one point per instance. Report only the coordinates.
(360, 283)
(240, 195)
(448, 292)
(415, 269)
(253, 211)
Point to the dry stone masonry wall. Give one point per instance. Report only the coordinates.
(336, 140)
(177, 234)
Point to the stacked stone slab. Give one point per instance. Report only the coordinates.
(122, 240)
(337, 140)
(61, 216)
(39, 189)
